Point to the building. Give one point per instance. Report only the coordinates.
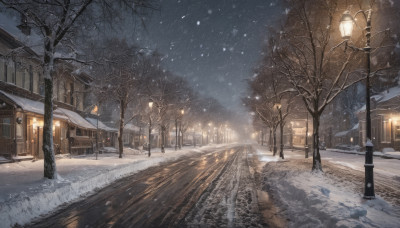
(347, 139)
(108, 137)
(385, 120)
(22, 108)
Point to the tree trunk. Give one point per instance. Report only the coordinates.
(121, 127)
(281, 147)
(317, 166)
(176, 134)
(262, 138)
(163, 139)
(270, 139)
(274, 135)
(50, 169)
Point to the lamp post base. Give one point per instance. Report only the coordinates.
(369, 192)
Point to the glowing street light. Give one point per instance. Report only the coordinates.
(346, 28)
(346, 25)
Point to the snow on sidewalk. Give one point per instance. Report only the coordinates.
(309, 199)
(25, 194)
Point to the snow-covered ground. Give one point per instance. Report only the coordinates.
(384, 154)
(333, 198)
(25, 194)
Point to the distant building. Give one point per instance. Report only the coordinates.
(385, 120)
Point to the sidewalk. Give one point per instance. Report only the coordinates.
(388, 155)
(25, 194)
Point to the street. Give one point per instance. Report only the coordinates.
(215, 188)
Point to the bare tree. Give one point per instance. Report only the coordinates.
(309, 56)
(55, 21)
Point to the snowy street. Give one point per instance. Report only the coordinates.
(214, 188)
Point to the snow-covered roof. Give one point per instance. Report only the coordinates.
(355, 127)
(387, 94)
(37, 107)
(102, 126)
(76, 119)
(131, 127)
(344, 133)
(384, 96)
(29, 105)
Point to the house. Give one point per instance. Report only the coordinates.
(22, 108)
(385, 120)
(346, 139)
(108, 137)
(133, 136)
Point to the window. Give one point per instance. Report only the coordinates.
(6, 128)
(386, 136)
(41, 87)
(78, 132)
(71, 94)
(30, 78)
(2, 64)
(5, 72)
(397, 132)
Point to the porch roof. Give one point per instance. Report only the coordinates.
(102, 126)
(131, 127)
(37, 107)
(29, 105)
(76, 119)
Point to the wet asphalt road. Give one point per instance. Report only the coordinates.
(161, 196)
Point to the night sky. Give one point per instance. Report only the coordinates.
(213, 43)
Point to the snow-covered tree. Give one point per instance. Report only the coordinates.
(309, 55)
(55, 22)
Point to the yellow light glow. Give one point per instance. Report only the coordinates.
(95, 109)
(346, 25)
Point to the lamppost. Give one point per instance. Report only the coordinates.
(346, 29)
(176, 132)
(182, 111)
(150, 106)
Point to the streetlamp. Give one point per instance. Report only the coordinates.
(346, 29)
(150, 106)
(182, 111)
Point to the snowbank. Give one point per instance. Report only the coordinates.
(385, 154)
(309, 199)
(25, 195)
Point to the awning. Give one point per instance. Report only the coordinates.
(76, 119)
(102, 126)
(37, 107)
(131, 127)
(29, 105)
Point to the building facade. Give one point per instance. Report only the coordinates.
(22, 108)
(385, 120)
